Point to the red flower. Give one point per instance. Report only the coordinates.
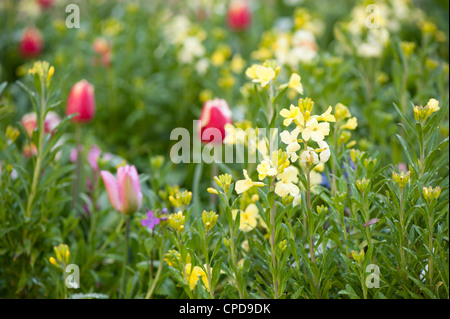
(82, 101)
(215, 114)
(45, 4)
(31, 43)
(239, 16)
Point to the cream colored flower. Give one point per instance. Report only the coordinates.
(315, 131)
(291, 139)
(293, 114)
(287, 180)
(309, 157)
(294, 83)
(351, 124)
(246, 184)
(324, 151)
(266, 168)
(433, 105)
(327, 116)
(248, 219)
(297, 200)
(260, 74)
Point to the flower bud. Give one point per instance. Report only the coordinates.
(176, 221)
(358, 257)
(401, 179)
(362, 185)
(239, 16)
(45, 4)
(124, 193)
(430, 193)
(215, 114)
(31, 44)
(209, 219)
(82, 101)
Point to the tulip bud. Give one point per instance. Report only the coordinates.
(215, 114)
(82, 101)
(31, 43)
(45, 4)
(124, 193)
(239, 16)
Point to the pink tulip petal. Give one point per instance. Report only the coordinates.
(112, 188)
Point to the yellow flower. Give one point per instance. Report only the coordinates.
(286, 185)
(246, 184)
(407, 47)
(358, 257)
(176, 221)
(293, 114)
(433, 105)
(237, 63)
(351, 124)
(315, 131)
(401, 179)
(260, 74)
(291, 139)
(294, 83)
(209, 219)
(324, 151)
(266, 169)
(248, 218)
(309, 157)
(341, 112)
(195, 275)
(327, 116)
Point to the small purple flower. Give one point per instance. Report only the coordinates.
(164, 211)
(151, 222)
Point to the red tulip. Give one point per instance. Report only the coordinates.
(31, 44)
(215, 114)
(82, 101)
(45, 4)
(239, 16)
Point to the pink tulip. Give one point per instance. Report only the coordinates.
(82, 101)
(31, 43)
(124, 193)
(239, 16)
(215, 114)
(29, 121)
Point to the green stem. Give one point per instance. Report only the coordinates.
(126, 254)
(78, 168)
(158, 272)
(272, 245)
(37, 168)
(183, 265)
(208, 268)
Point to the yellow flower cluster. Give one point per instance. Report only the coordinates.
(62, 256)
(401, 179)
(181, 199)
(176, 221)
(209, 219)
(311, 127)
(422, 113)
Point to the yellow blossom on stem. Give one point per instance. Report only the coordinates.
(248, 218)
(246, 184)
